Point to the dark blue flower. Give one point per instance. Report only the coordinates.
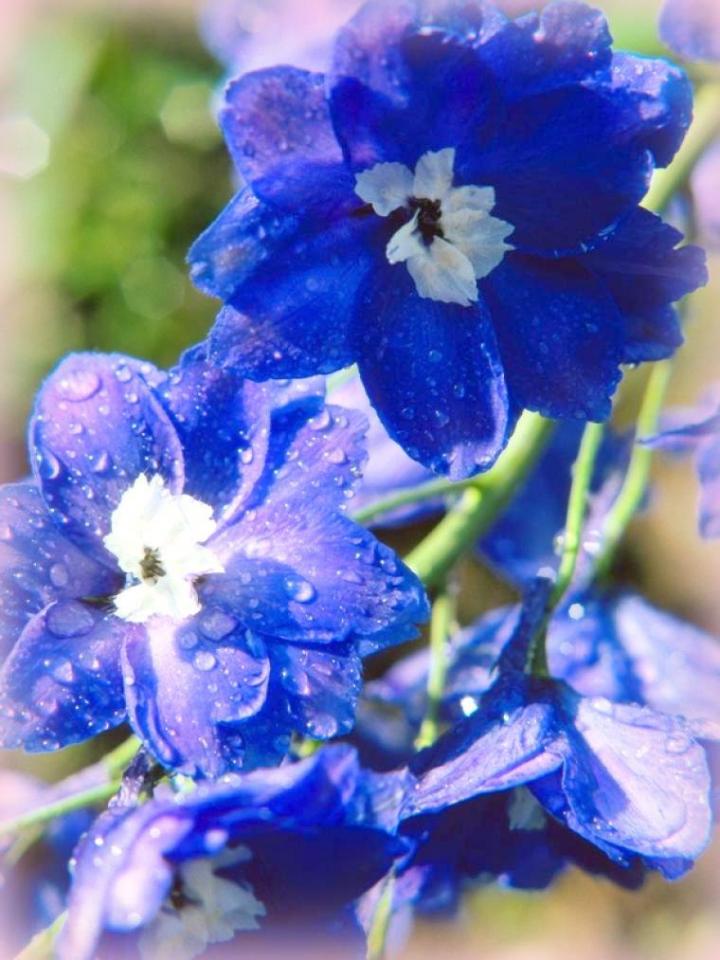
(692, 28)
(698, 430)
(454, 208)
(630, 780)
(182, 557)
(271, 854)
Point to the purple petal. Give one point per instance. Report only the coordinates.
(223, 423)
(62, 683)
(95, 428)
(692, 28)
(704, 183)
(296, 567)
(278, 129)
(183, 680)
(38, 564)
(433, 373)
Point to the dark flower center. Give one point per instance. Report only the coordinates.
(151, 566)
(429, 215)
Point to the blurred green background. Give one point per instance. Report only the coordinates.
(110, 165)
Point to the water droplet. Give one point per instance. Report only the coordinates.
(59, 575)
(69, 620)
(299, 590)
(123, 373)
(435, 356)
(246, 455)
(215, 624)
(79, 385)
(205, 661)
(678, 743)
(50, 466)
(102, 462)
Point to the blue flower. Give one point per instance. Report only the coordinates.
(630, 780)
(698, 430)
(692, 28)
(182, 558)
(454, 208)
(263, 855)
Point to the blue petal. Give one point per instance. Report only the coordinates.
(322, 687)
(397, 91)
(223, 423)
(278, 129)
(183, 680)
(645, 272)
(703, 182)
(291, 316)
(560, 336)
(692, 28)
(635, 779)
(96, 427)
(38, 564)
(296, 567)
(433, 374)
(63, 683)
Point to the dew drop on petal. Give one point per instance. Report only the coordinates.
(299, 590)
(205, 661)
(79, 385)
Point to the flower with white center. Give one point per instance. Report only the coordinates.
(158, 538)
(450, 240)
(203, 908)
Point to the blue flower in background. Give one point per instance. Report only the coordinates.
(182, 558)
(692, 28)
(628, 779)
(269, 856)
(454, 208)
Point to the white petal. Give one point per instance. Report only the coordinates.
(386, 186)
(444, 273)
(479, 236)
(405, 243)
(434, 174)
(470, 198)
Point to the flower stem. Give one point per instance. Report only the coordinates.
(433, 489)
(443, 617)
(41, 815)
(381, 921)
(582, 475)
(42, 945)
(636, 480)
(480, 504)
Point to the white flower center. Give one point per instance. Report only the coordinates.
(157, 537)
(450, 240)
(203, 909)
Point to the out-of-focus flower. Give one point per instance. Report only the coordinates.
(692, 28)
(182, 557)
(283, 852)
(396, 215)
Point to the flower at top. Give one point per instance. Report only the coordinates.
(692, 28)
(698, 430)
(455, 209)
(628, 779)
(263, 856)
(182, 558)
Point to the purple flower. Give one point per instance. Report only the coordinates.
(263, 857)
(182, 558)
(692, 28)
(455, 209)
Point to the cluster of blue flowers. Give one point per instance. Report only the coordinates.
(453, 206)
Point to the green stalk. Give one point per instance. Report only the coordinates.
(43, 815)
(443, 617)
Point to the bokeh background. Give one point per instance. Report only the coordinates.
(110, 165)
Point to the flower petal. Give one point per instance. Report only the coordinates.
(692, 28)
(296, 567)
(206, 402)
(432, 372)
(62, 683)
(96, 427)
(278, 129)
(387, 186)
(38, 564)
(443, 273)
(560, 336)
(184, 680)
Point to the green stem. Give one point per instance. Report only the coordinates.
(42, 815)
(443, 617)
(703, 130)
(572, 538)
(480, 504)
(381, 921)
(118, 760)
(432, 490)
(42, 945)
(636, 480)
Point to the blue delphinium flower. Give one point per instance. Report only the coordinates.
(455, 208)
(698, 430)
(692, 28)
(628, 779)
(282, 852)
(182, 558)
